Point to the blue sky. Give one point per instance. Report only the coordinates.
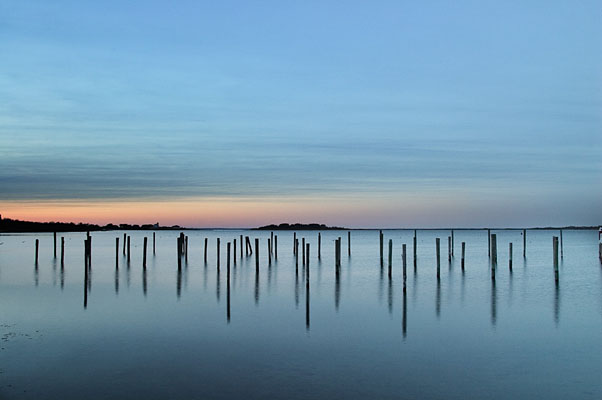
(495, 106)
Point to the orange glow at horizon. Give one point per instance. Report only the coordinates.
(241, 213)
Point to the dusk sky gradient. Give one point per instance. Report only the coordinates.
(362, 114)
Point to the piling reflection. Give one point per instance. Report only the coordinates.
(337, 291)
(256, 287)
(556, 303)
(307, 298)
(116, 281)
(493, 303)
(62, 276)
(36, 274)
(178, 282)
(438, 299)
(144, 287)
(217, 286)
(404, 316)
(390, 295)
(228, 295)
(296, 289)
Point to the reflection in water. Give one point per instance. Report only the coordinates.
(390, 295)
(62, 275)
(54, 272)
(493, 303)
(307, 297)
(217, 286)
(128, 275)
(438, 299)
(337, 290)
(380, 285)
(556, 303)
(256, 287)
(116, 281)
(462, 287)
(297, 289)
(404, 316)
(36, 274)
(85, 285)
(178, 282)
(228, 288)
(144, 281)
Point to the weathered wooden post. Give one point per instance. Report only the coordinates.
(463, 253)
(241, 246)
(179, 253)
(349, 243)
(117, 252)
(555, 250)
(228, 258)
(561, 247)
(403, 258)
(303, 250)
(390, 257)
(438, 250)
(144, 253)
(275, 247)
(449, 248)
(186, 248)
(37, 249)
(319, 245)
(296, 253)
(256, 255)
(493, 254)
(524, 243)
(54, 244)
(294, 242)
(153, 243)
(510, 256)
(452, 242)
(63, 250)
(380, 235)
(234, 252)
(269, 251)
(340, 250)
(124, 243)
(129, 248)
(415, 247)
(489, 242)
(205, 250)
(217, 245)
(271, 242)
(494, 247)
(600, 251)
(307, 255)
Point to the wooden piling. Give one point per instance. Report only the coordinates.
(179, 253)
(295, 243)
(144, 253)
(415, 247)
(271, 242)
(390, 257)
(296, 253)
(561, 247)
(600, 251)
(228, 257)
(275, 247)
(524, 243)
(380, 235)
(54, 234)
(129, 237)
(256, 255)
(449, 245)
(438, 251)
(340, 250)
(510, 256)
(463, 254)
(241, 246)
(319, 245)
(403, 259)
(218, 245)
(63, 250)
(555, 254)
(37, 250)
(185, 248)
(269, 251)
(307, 255)
(153, 243)
(493, 254)
(117, 252)
(205, 250)
(452, 242)
(489, 242)
(303, 250)
(124, 243)
(349, 243)
(234, 252)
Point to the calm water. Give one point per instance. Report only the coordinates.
(169, 335)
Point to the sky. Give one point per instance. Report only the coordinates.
(355, 113)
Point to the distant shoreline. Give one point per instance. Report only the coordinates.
(8, 225)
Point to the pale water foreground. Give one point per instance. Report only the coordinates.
(166, 335)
